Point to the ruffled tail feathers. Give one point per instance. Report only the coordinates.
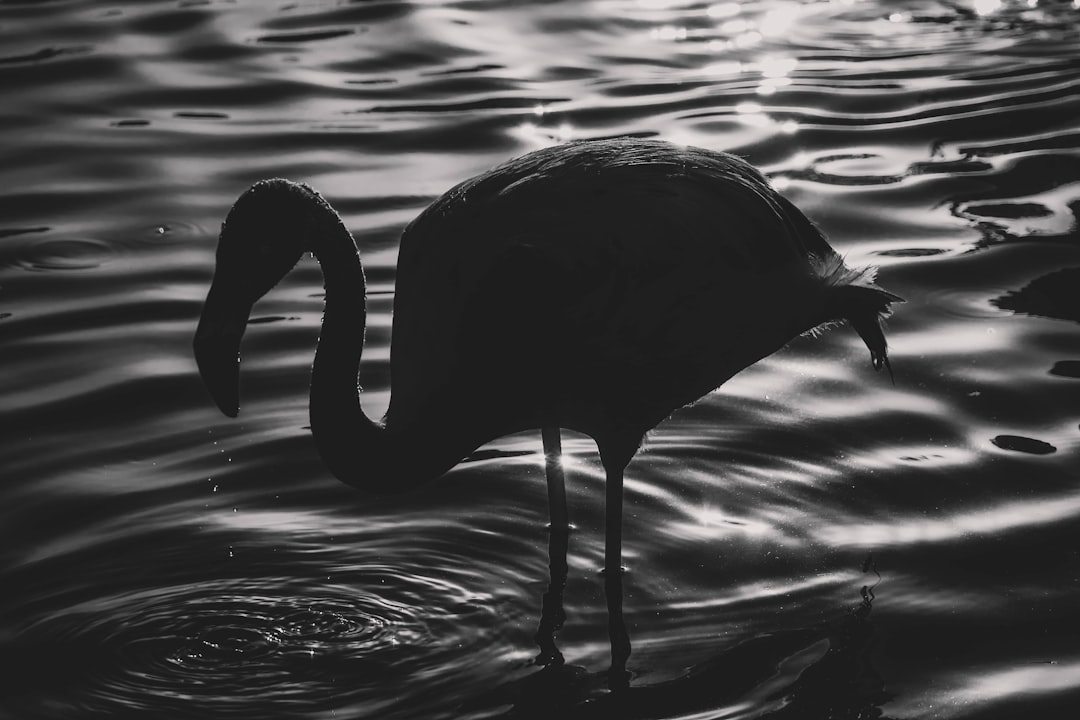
(851, 295)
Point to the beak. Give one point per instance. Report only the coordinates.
(869, 329)
(217, 347)
(883, 360)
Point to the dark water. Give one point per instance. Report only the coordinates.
(809, 542)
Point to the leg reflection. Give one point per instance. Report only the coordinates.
(618, 677)
(552, 614)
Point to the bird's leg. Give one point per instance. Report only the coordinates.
(556, 480)
(552, 615)
(618, 677)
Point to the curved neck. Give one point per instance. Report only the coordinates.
(338, 422)
(361, 452)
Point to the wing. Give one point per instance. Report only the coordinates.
(590, 270)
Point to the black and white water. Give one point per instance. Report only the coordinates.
(811, 541)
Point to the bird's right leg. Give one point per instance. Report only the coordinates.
(552, 615)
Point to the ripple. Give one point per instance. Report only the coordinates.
(264, 319)
(962, 303)
(303, 37)
(911, 252)
(218, 631)
(1019, 443)
(853, 169)
(1009, 210)
(12, 232)
(62, 254)
(952, 167)
(920, 134)
(1066, 368)
(993, 520)
(173, 231)
(1018, 684)
(170, 23)
(42, 55)
(130, 122)
(1053, 296)
(200, 115)
(213, 643)
(1024, 217)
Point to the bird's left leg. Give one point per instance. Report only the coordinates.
(618, 677)
(552, 614)
(556, 479)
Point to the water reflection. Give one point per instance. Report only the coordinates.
(825, 670)
(150, 551)
(962, 525)
(1040, 678)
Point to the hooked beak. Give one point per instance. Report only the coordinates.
(883, 360)
(871, 333)
(217, 347)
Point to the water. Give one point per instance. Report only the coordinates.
(810, 541)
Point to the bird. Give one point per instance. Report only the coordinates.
(596, 286)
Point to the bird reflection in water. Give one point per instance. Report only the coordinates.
(652, 273)
(841, 683)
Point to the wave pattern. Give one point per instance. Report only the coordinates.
(809, 541)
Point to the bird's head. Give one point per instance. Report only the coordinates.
(263, 237)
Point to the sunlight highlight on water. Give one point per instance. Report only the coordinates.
(809, 541)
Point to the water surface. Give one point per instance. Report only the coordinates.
(810, 541)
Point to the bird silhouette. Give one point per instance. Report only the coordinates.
(596, 286)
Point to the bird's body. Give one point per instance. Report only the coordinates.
(596, 286)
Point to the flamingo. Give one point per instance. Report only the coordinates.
(596, 286)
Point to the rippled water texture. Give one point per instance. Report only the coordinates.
(811, 541)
